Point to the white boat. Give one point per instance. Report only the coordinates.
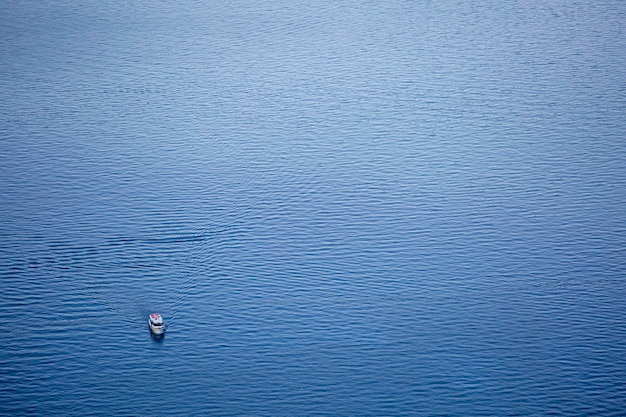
(155, 321)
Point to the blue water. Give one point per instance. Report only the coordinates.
(347, 208)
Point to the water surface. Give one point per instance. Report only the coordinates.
(353, 209)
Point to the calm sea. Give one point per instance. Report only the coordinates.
(349, 208)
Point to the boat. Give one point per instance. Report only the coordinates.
(155, 321)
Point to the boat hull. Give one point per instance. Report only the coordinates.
(155, 323)
(157, 330)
